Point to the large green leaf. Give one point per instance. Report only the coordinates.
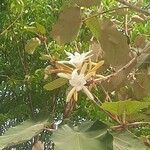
(138, 117)
(67, 26)
(21, 133)
(129, 107)
(127, 141)
(55, 84)
(91, 136)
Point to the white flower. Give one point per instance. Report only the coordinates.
(77, 80)
(78, 83)
(76, 59)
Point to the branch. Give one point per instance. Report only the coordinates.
(138, 123)
(98, 103)
(47, 51)
(104, 12)
(26, 72)
(106, 93)
(12, 23)
(125, 126)
(126, 23)
(134, 7)
(130, 63)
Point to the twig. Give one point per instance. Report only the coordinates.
(30, 101)
(133, 7)
(124, 67)
(26, 72)
(69, 108)
(104, 12)
(3, 32)
(106, 93)
(132, 61)
(138, 123)
(115, 118)
(125, 126)
(126, 23)
(97, 100)
(77, 47)
(6, 76)
(22, 62)
(47, 51)
(54, 99)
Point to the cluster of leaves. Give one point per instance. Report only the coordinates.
(47, 28)
(89, 135)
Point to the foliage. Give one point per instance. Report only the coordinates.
(94, 136)
(121, 140)
(108, 52)
(55, 84)
(21, 133)
(127, 107)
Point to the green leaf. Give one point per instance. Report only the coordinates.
(45, 57)
(94, 26)
(55, 84)
(138, 117)
(30, 29)
(87, 3)
(129, 107)
(67, 26)
(17, 6)
(21, 133)
(127, 141)
(40, 28)
(32, 45)
(91, 136)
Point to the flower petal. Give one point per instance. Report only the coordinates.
(68, 54)
(80, 87)
(87, 53)
(100, 76)
(88, 93)
(89, 75)
(88, 56)
(74, 74)
(77, 54)
(83, 69)
(77, 80)
(99, 64)
(63, 62)
(75, 95)
(70, 94)
(63, 66)
(64, 75)
(90, 65)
